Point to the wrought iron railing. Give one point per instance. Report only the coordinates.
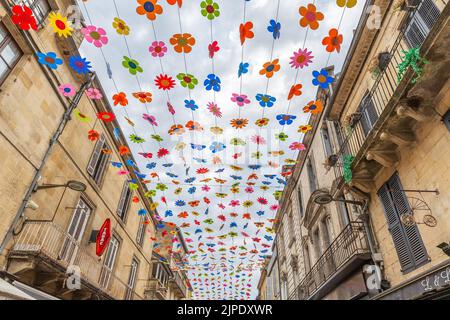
(350, 242)
(155, 289)
(51, 242)
(412, 34)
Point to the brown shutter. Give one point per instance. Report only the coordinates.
(95, 156)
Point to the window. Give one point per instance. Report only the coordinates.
(40, 9)
(343, 210)
(124, 202)
(141, 231)
(132, 279)
(108, 262)
(421, 23)
(311, 175)
(407, 239)
(307, 259)
(326, 141)
(369, 114)
(10, 53)
(158, 272)
(291, 228)
(300, 200)
(99, 160)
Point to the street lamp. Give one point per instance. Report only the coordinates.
(71, 184)
(324, 197)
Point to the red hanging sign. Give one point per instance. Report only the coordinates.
(103, 237)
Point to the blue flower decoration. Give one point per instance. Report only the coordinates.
(266, 183)
(168, 213)
(233, 225)
(142, 212)
(172, 175)
(190, 180)
(268, 238)
(236, 177)
(49, 59)
(190, 104)
(140, 175)
(270, 176)
(286, 119)
(199, 160)
(116, 164)
(167, 165)
(322, 78)
(281, 181)
(151, 165)
(217, 147)
(198, 147)
(243, 68)
(254, 166)
(192, 190)
(260, 213)
(274, 27)
(80, 65)
(180, 203)
(265, 100)
(212, 82)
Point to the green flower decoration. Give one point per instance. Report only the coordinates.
(290, 161)
(136, 139)
(208, 221)
(150, 193)
(133, 186)
(236, 184)
(281, 136)
(237, 142)
(161, 187)
(210, 9)
(132, 65)
(187, 80)
(232, 234)
(157, 137)
(257, 155)
(277, 194)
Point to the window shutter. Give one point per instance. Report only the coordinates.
(429, 13)
(95, 155)
(421, 23)
(369, 114)
(123, 196)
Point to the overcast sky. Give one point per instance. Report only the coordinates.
(257, 51)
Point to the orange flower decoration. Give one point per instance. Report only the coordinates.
(193, 126)
(176, 129)
(120, 98)
(333, 41)
(172, 2)
(182, 42)
(314, 107)
(123, 150)
(150, 8)
(304, 128)
(295, 91)
(239, 123)
(310, 16)
(269, 68)
(245, 31)
(93, 135)
(143, 97)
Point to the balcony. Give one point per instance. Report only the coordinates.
(156, 290)
(178, 285)
(346, 253)
(42, 255)
(386, 118)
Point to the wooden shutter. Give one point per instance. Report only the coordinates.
(95, 156)
(421, 23)
(369, 114)
(429, 13)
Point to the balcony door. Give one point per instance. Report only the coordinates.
(369, 115)
(75, 231)
(108, 262)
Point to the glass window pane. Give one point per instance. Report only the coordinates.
(2, 33)
(10, 54)
(3, 68)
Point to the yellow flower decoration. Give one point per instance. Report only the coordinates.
(121, 27)
(346, 3)
(235, 168)
(180, 146)
(216, 130)
(60, 24)
(247, 203)
(305, 128)
(235, 189)
(290, 161)
(154, 205)
(80, 116)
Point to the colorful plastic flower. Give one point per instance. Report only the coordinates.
(239, 123)
(81, 116)
(182, 42)
(210, 9)
(93, 135)
(132, 65)
(80, 65)
(187, 80)
(60, 24)
(237, 142)
(22, 16)
(150, 8)
(106, 116)
(67, 90)
(164, 82)
(262, 200)
(295, 91)
(157, 137)
(121, 27)
(214, 109)
(150, 119)
(123, 150)
(217, 147)
(304, 128)
(247, 204)
(302, 58)
(94, 94)
(136, 139)
(176, 129)
(49, 59)
(310, 16)
(216, 130)
(269, 68)
(190, 104)
(281, 136)
(346, 3)
(245, 31)
(162, 152)
(212, 82)
(172, 2)
(313, 107)
(286, 119)
(213, 47)
(322, 78)
(144, 97)
(240, 99)
(333, 41)
(265, 100)
(297, 146)
(120, 98)
(258, 139)
(95, 35)
(193, 126)
(262, 122)
(243, 68)
(158, 49)
(274, 27)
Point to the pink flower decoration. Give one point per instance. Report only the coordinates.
(94, 35)
(297, 146)
(240, 100)
(206, 188)
(262, 200)
(150, 119)
(234, 203)
(274, 207)
(214, 109)
(158, 49)
(67, 90)
(249, 190)
(94, 94)
(302, 58)
(122, 172)
(170, 108)
(221, 206)
(258, 140)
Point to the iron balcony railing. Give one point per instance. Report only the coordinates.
(51, 242)
(413, 33)
(352, 241)
(156, 289)
(180, 283)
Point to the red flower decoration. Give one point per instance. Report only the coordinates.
(262, 200)
(93, 135)
(162, 152)
(106, 116)
(213, 48)
(135, 199)
(23, 18)
(245, 31)
(202, 170)
(164, 82)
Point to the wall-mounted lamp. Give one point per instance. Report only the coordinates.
(71, 184)
(324, 197)
(444, 246)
